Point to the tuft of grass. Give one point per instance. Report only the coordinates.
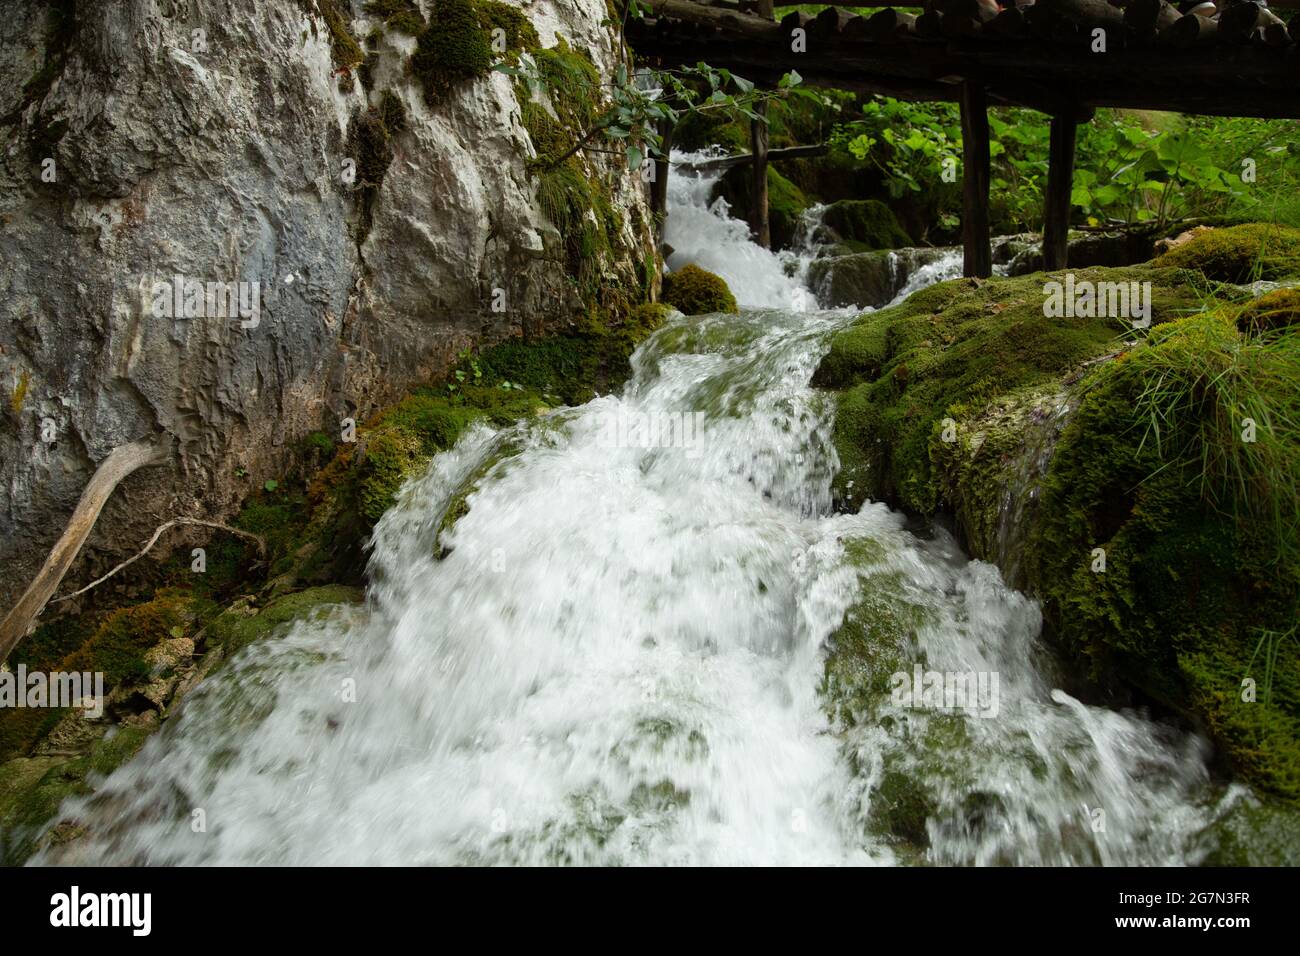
(1226, 407)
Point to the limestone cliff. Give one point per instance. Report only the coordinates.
(288, 145)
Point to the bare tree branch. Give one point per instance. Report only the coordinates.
(257, 539)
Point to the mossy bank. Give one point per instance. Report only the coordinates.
(1142, 483)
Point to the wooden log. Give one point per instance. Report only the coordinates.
(740, 159)
(929, 24)
(1239, 22)
(1146, 18)
(1009, 24)
(1188, 31)
(886, 26)
(977, 251)
(1276, 34)
(1060, 182)
(828, 23)
(796, 19)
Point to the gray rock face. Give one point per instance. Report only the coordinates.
(137, 149)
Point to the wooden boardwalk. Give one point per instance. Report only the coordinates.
(1064, 58)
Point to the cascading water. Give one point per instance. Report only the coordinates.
(619, 655)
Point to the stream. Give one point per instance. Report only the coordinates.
(617, 655)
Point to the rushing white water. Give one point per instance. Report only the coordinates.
(703, 232)
(617, 656)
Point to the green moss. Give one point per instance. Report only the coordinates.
(452, 49)
(33, 788)
(519, 32)
(1199, 570)
(117, 647)
(867, 222)
(1199, 526)
(1271, 312)
(400, 15)
(1240, 253)
(237, 627)
(1253, 833)
(945, 353)
(344, 48)
(694, 291)
(370, 135)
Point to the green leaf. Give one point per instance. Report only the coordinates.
(271, 484)
(634, 157)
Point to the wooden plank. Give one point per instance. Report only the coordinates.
(1060, 182)
(977, 257)
(740, 159)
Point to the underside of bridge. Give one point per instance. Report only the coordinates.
(1062, 57)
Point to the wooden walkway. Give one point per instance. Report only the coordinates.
(1064, 58)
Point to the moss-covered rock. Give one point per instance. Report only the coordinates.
(1252, 833)
(944, 353)
(240, 625)
(1166, 556)
(453, 48)
(33, 788)
(695, 291)
(868, 222)
(1240, 253)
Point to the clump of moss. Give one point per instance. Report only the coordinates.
(695, 291)
(344, 48)
(401, 15)
(1240, 253)
(453, 48)
(1271, 312)
(945, 353)
(867, 223)
(518, 31)
(370, 135)
(236, 628)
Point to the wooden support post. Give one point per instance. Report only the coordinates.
(977, 249)
(1060, 179)
(659, 188)
(759, 223)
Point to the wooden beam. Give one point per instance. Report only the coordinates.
(977, 258)
(773, 156)
(1060, 181)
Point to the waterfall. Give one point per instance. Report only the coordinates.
(617, 655)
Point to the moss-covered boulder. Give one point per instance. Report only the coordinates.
(1145, 486)
(695, 291)
(866, 223)
(1240, 253)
